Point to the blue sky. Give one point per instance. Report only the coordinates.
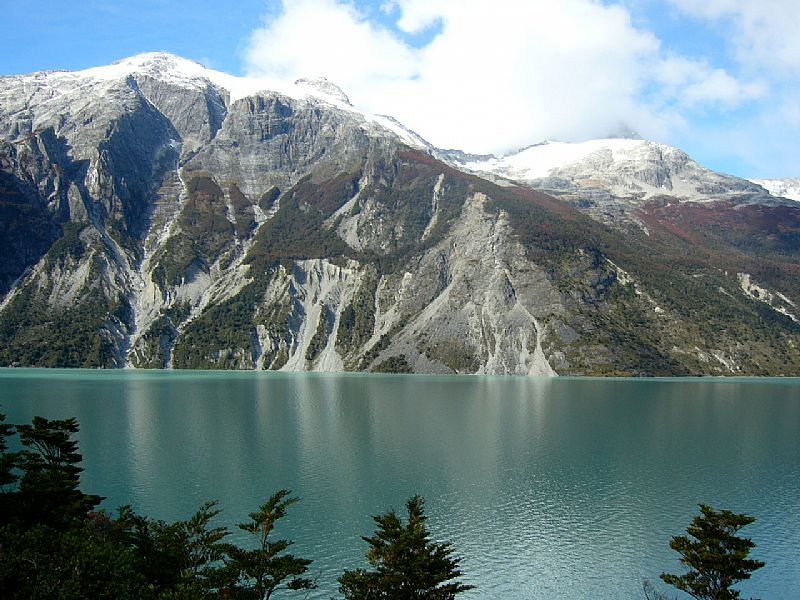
(718, 78)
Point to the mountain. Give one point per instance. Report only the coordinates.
(155, 213)
(783, 188)
(613, 179)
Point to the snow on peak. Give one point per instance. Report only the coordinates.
(159, 62)
(188, 74)
(193, 75)
(535, 162)
(155, 64)
(619, 168)
(323, 85)
(783, 188)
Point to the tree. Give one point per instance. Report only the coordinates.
(261, 571)
(651, 593)
(204, 548)
(407, 565)
(48, 489)
(716, 556)
(7, 460)
(180, 559)
(64, 564)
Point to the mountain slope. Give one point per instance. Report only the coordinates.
(160, 214)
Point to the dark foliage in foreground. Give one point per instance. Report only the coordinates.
(55, 545)
(716, 557)
(406, 564)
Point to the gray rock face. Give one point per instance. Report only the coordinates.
(155, 213)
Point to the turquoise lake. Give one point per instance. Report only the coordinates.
(548, 488)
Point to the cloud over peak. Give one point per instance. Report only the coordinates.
(492, 77)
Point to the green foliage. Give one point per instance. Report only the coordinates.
(268, 199)
(43, 563)
(203, 216)
(27, 230)
(242, 211)
(678, 269)
(454, 354)
(267, 568)
(184, 558)
(394, 364)
(205, 342)
(8, 463)
(405, 563)
(46, 547)
(69, 244)
(205, 231)
(381, 344)
(7, 460)
(716, 557)
(34, 333)
(155, 344)
(175, 260)
(297, 230)
(321, 335)
(357, 320)
(403, 195)
(48, 489)
(275, 317)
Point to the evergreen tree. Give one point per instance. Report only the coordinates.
(715, 556)
(406, 564)
(261, 571)
(7, 476)
(180, 559)
(204, 548)
(7, 459)
(48, 489)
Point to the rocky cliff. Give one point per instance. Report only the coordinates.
(158, 214)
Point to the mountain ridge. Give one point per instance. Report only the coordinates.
(152, 218)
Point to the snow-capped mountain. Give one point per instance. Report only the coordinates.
(782, 188)
(611, 179)
(37, 100)
(155, 213)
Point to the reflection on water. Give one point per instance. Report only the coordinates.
(565, 488)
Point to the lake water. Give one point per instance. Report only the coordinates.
(548, 488)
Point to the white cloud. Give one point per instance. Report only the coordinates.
(496, 76)
(331, 39)
(764, 47)
(764, 31)
(696, 84)
(718, 87)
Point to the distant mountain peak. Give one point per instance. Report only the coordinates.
(161, 65)
(321, 84)
(783, 188)
(163, 60)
